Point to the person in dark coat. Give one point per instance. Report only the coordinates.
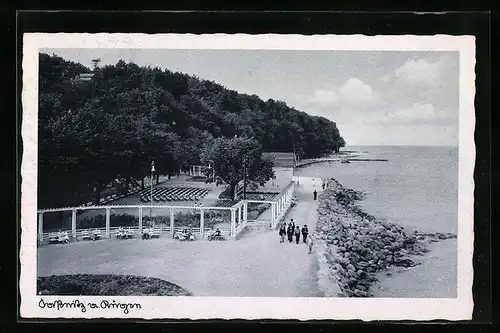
(305, 232)
(315, 194)
(297, 235)
(282, 233)
(323, 186)
(292, 224)
(289, 233)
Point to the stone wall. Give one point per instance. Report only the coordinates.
(352, 245)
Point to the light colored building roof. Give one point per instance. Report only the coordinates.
(85, 76)
(280, 158)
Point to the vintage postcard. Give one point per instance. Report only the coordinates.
(178, 176)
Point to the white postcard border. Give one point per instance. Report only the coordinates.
(459, 308)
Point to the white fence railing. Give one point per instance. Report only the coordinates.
(237, 222)
(136, 233)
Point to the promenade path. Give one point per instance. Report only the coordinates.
(253, 266)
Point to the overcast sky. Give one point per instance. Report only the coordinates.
(376, 98)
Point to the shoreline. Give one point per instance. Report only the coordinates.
(348, 156)
(357, 248)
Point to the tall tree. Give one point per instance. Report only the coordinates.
(233, 157)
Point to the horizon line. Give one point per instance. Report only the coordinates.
(396, 145)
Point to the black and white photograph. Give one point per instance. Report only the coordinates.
(234, 176)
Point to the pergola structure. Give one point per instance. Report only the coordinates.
(197, 170)
(238, 220)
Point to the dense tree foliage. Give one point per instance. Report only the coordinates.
(115, 124)
(232, 158)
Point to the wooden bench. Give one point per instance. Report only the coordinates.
(59, 237)
(54, 237)
(129, 233)
(213, 236)
(85, 234)
(96, 234)
(121, 234)
(155, 232)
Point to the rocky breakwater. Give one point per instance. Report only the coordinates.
(353, 245)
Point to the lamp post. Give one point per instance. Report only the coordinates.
(213, 170)
(151, 209)
(245, 177)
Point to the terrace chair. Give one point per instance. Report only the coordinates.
(179, 195)
(185, 194)
(198, 191)
(180, 190)
(175, 192)
(203, 193)
(191, 194)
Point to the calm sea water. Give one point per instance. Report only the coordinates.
(417, 187)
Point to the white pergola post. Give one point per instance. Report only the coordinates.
(273, 214)
(140, 220)
(73, 223)
(245, 213)
(239, 215)
(107, 221)
(40, 227)
(172, 214)
(202, 222)
(233, 222)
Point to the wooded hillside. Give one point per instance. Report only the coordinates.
(115, 124)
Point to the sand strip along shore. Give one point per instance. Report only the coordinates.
(356, 245)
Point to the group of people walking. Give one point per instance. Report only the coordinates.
(292, 231)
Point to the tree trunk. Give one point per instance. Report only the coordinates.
(127, 183)
(61, 219)
(97, 194)
(142, 182)
(233, 192)
(157, 178)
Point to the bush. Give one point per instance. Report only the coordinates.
(98, 221)
(188, 220)
(255, 210)
(107, 285)
(226, 194)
